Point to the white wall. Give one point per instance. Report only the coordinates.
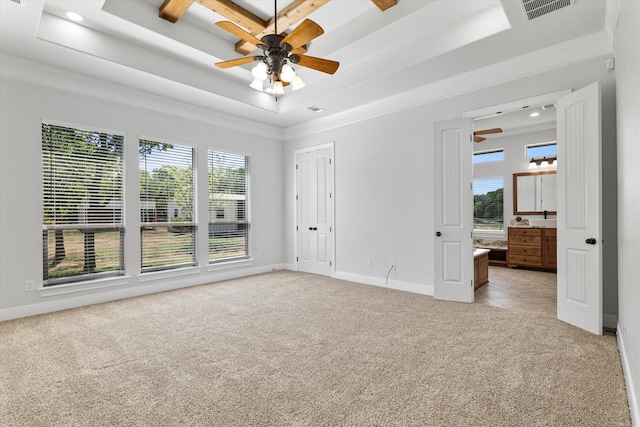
(24, 105)
(628, 108)
(384, 179)
(514, 161)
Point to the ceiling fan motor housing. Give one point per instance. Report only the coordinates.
(275, 54)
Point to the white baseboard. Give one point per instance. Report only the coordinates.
(632, 393)
(392, 284)
(128, 292)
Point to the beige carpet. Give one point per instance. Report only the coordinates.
(295, 349)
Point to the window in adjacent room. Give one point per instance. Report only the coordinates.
(82, 177)
(488, 156)
(488, 206)
(228, 203)
(168, 227)
(548, 149)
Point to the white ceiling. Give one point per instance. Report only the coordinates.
(384, 56)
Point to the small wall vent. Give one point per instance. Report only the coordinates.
(18, 2)
(537, 8)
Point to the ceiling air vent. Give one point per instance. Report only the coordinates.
(315, 109)
(537, 8)
(18, 2)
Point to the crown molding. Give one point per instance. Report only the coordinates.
(557, 56)
(27, 71)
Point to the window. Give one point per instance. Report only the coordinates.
(488, 156)
(166, 205)
(488, 206)
(228, 219)
(542, 150)
(83, 232)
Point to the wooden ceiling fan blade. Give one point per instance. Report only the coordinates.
(488, 131)
(303, 34)
(320, 64)
(235, 62)
(239, 32)
(478, 139)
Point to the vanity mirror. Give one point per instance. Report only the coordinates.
(534, 193)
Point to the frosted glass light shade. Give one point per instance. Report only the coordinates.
(278, 89)
(287, 74)
(260, 71)
(257, 84)
(297, 83)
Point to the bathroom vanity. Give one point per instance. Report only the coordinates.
(533, 247)
(480, 267)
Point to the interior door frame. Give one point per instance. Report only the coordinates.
(331, 146)
(516, 106)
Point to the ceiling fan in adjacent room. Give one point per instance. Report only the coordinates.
(478, 138)
(278, 53)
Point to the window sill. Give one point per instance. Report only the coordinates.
(168, 274)
(91, 285)
(484, 234)
(225, 265)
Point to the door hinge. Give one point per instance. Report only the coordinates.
(330, 195)
(296, 167)
(330, 263)
(296, 228)
(296, 259)
(296, 197)
(330, 229)
(472, 283)
(329, 160)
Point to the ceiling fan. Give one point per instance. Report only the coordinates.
(278, 52)
(478, 138)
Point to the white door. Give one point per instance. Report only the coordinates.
(453, 167)
(314, 210)
(579, 209)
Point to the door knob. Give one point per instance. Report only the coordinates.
(313, 228)
(438, 233)
(590, 241)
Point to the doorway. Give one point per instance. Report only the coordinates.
(506, 138)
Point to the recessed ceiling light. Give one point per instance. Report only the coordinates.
(74, 16)
(534, 114)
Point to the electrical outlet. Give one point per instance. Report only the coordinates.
(368, 262)
(29, 285)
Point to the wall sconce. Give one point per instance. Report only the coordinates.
(542, 163)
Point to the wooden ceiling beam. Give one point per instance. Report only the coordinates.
(236, 14)
(385, 4)
(293, 13)
(172, 10)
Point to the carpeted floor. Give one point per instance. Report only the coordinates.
(286, 348)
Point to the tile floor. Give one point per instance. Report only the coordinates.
(519, 289)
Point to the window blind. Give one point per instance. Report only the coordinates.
(82, 176)
(166, 205)
(228, 206)
(488, 204)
